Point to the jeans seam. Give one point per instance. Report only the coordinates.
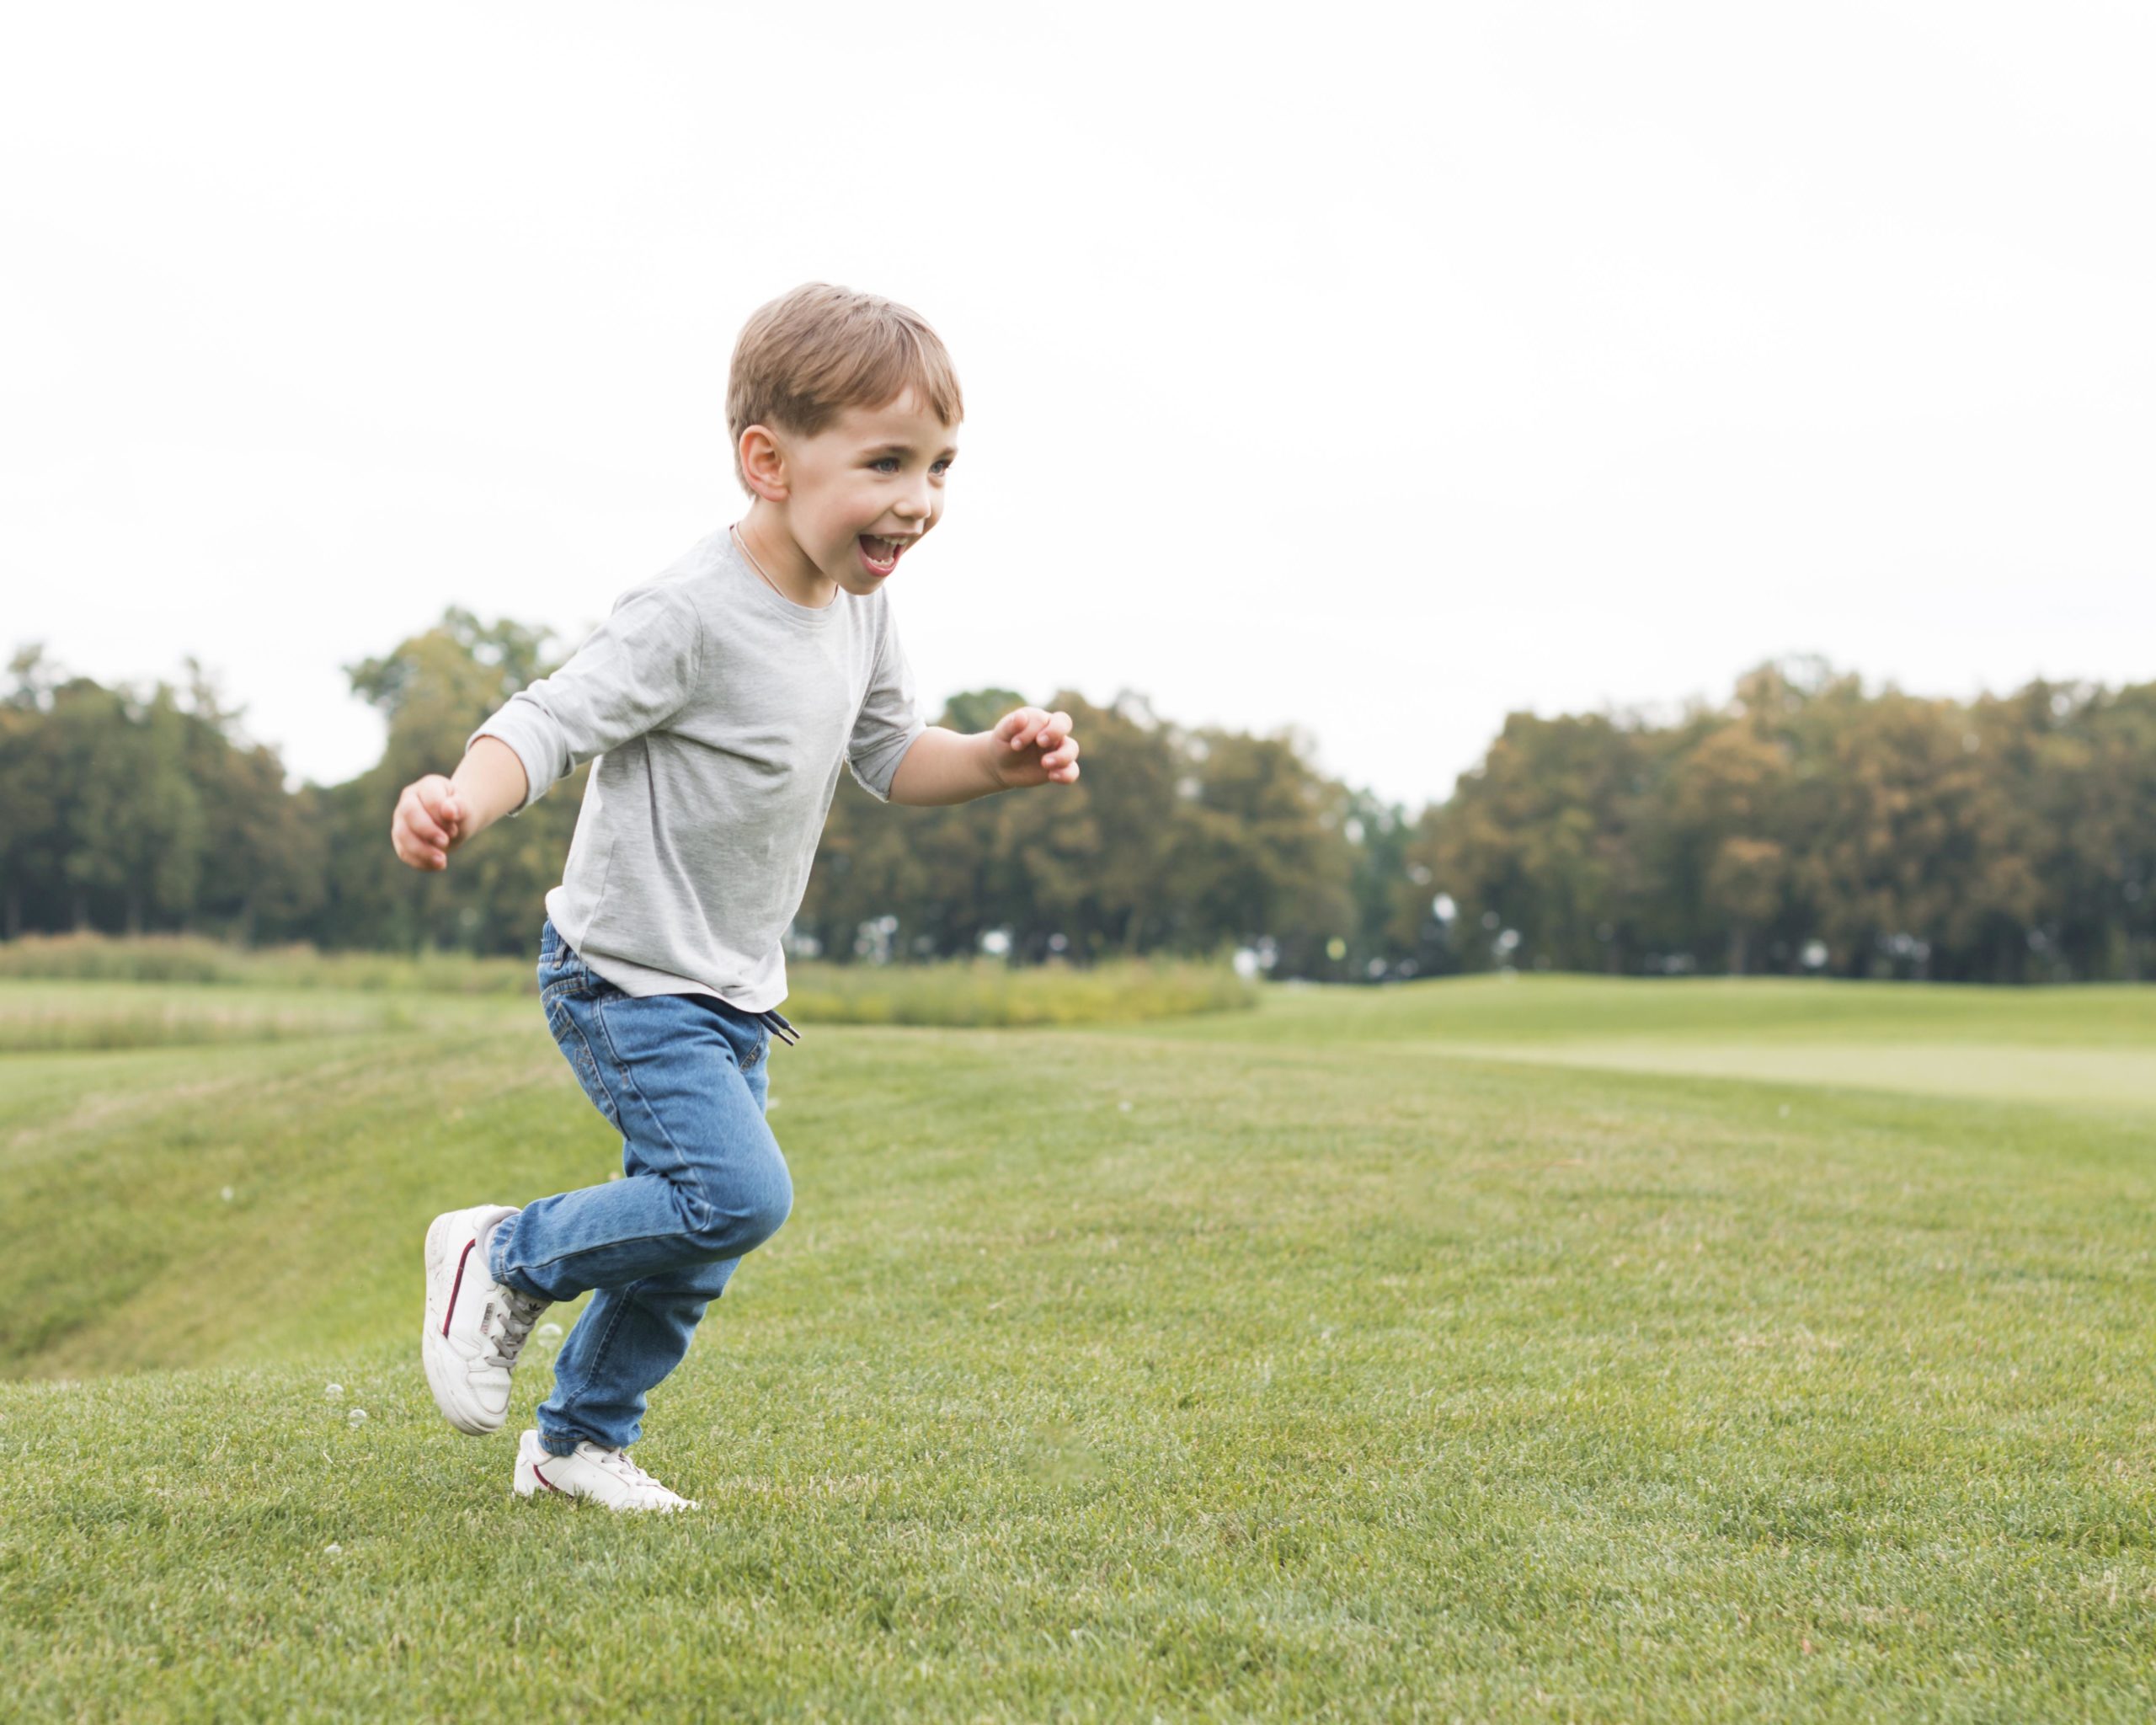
(612, 1106)
(585, 1378)
(622, 1240)
(681, 1164)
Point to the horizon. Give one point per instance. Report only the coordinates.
(1648, 713)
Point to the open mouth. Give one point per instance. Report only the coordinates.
(881, 555)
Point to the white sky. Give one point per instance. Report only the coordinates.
(1373, 369)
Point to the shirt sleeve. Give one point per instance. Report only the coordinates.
(888, 722)
(637, 671)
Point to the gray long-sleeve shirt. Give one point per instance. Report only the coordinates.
(719, 712)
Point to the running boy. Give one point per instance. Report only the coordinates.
(719, 700)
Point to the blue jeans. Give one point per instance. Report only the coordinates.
(683, 1078)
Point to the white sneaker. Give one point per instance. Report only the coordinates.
(475, 1327)
(607, 1476)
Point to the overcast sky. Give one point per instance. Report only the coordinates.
(1375, 369)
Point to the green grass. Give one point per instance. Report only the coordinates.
(1372, 1355)
(172, 1004)
(981, 993)
(2082, 1047)
(193, 958)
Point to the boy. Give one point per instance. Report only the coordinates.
(719, 700)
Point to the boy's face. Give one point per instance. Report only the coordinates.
(865, 488)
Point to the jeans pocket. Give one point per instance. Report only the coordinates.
(569, 974)
(561, 971)
(576, 1049)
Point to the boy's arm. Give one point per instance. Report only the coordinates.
(435, 814)
(632, 674)
(1028, 746)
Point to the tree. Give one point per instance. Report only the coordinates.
(434, 689)
(1727, 796)
(1537, 848)
(1259, 855)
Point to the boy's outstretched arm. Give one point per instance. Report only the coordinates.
(630, 676)
(435, 814)
(1028, 746)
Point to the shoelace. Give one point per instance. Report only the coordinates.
(506, 1326)
(617, 1462)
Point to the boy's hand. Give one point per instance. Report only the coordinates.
(1033, 747)
(429, 823)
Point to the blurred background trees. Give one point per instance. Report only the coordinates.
(1805, 824)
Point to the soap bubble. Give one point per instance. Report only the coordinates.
(548, 1332)
(225, 1192)
(358, 1416)
(332, 1549)
(1125, 1106)
(331, 1392)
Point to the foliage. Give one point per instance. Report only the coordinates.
(1805, 824)
(121, 810)
(1170, 842)
(434, 690)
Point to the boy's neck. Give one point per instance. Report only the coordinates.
(777, 556)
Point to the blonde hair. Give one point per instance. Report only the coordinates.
(811, 354)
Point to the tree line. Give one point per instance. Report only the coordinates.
(1806, 824)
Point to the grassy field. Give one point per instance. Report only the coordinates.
(1533, 1349)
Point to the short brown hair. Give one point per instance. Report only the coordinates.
(810, 355)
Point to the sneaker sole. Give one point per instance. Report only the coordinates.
(444, 1369)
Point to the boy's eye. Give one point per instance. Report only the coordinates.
(890, 464)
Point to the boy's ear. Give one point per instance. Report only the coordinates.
(763, 463)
